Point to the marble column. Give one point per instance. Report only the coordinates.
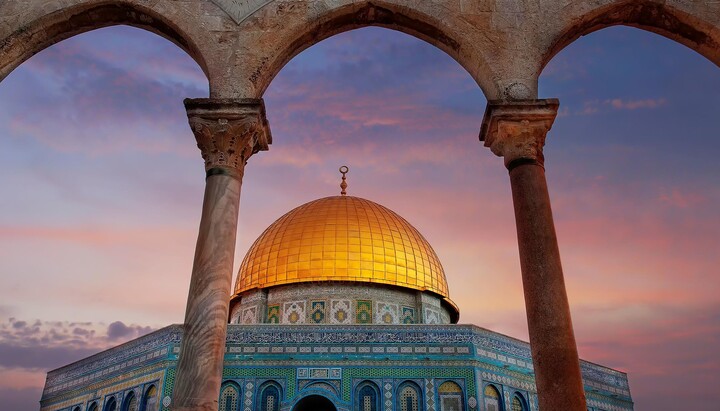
(516, 131)
(228, 132)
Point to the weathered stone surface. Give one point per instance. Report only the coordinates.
(228, 133)
(242, 44)
(516, 131)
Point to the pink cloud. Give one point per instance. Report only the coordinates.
(676, 197)
(93, 236)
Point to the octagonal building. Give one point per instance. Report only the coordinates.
(340, 304)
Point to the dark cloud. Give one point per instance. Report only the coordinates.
(42, 356)
(42, 346)
(118, 330)
(19, 324)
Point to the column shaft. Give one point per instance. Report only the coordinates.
(552, 342)
(203, 346)
(228, 132)
(516, 131)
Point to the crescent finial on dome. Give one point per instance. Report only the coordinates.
(343, 185)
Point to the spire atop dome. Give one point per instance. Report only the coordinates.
(343, 185)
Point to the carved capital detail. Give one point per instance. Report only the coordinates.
(516, 130)
(228, 131)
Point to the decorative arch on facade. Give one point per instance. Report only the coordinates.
(441, 26)
(229, 397)
(518, 403)
(451, 396)
(93, 406)
(492, 398)
(131, 402)
(76, 408)
(685, 27)
(322, 386)
(150, 399)
(367, 397)
(269, 397)
(110, 404)
(409, 397)
(46, 28)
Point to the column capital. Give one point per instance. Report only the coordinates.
(516, 130)
(228, 132)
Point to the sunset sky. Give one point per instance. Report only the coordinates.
(102, 189)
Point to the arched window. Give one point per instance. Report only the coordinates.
(518, 403)
(93, 407)
(493, 402)
(409, 397)
(131, 402)
(229, 398)
(150, 401)
(451, 396)
(76, 409)
(368, 397)
(111, 404)
(269, 399)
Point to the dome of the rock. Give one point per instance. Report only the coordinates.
(343, 239)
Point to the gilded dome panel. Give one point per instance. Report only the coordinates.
(342, 238)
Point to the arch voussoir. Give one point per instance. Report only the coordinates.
(273, 35)
(695, 25)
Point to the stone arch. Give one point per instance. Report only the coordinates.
(684, 26)
(288, 30)
(47, 28)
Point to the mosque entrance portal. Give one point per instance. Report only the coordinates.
(315, 403)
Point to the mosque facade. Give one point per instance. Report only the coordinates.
(342, 305)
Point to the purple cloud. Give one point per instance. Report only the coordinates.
(44, 345)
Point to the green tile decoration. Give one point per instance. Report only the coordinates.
(316, 314)
(407, 316)
(363, 312)
(274, 314)
(168, 385)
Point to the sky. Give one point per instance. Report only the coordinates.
(103, 188)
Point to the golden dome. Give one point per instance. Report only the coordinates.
(342, 238)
